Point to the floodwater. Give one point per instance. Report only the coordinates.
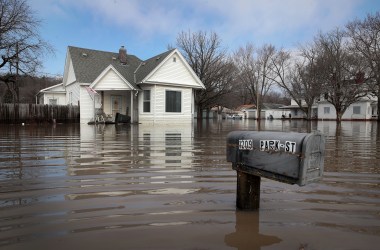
(170, 187)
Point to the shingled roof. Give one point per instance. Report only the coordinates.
(88, 64)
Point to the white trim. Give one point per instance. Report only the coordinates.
(48, 89)
(165, 99)
(110, 67)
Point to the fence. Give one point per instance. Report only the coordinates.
(38, 113)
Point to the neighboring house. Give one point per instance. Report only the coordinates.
(245, 111)
(364, 109)
(268, 111)
(54, 95)
(294, 111)
(275, 111)
(160, 89)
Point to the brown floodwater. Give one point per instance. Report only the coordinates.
(71, 186)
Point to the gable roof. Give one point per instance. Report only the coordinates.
(150, 64)
(55, 88)
(182, 74)
(109, 69)
(89, 64)
(245, 106)
(272, 106)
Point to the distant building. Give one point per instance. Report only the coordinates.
(54, 95)
(363, 109)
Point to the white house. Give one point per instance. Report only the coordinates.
(275, 111)
(294, 110)
(158, 90)
(54, 95)
(268, 111)
(364, 109)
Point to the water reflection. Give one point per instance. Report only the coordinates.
(247, 234)
(171, 185)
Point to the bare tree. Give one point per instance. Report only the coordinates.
(254, 71)
(204, 52)
(341, 68)
(276, 97)
(21, 47)
(300, 77)
(365, 39)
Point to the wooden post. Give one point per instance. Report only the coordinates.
(248, 191)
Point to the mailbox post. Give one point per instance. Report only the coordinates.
(293, 158)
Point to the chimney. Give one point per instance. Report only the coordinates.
(123, 55)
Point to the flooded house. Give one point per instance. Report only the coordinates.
(363, 109)
(160, 89)
(268, 111)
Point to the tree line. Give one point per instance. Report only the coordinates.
(340, 66)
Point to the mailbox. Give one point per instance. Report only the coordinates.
(294, 158)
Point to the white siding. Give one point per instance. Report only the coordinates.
(174, 71)
(60, 97)
(75, 94)
(158, 113)
(86, 106)
(365, 111)
(363, 108)
(69, 75)
(111, 81)
(277, 114)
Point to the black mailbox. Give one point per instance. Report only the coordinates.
(294, 158)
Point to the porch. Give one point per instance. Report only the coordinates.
(111, 106)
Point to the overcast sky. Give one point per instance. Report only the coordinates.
(147, 27)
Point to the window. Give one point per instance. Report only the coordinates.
(326, 110)
(146, 101)
(53, 101)
(173, 101)
(356, 110)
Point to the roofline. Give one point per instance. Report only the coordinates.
(104, 72)
(45, 89)
(171, 84)
(202, 86)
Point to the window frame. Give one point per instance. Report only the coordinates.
(356, 110)
(50, 100)
(326, 110)
(147, 101)
(173, 109)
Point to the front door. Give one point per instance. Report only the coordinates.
(116, 104)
